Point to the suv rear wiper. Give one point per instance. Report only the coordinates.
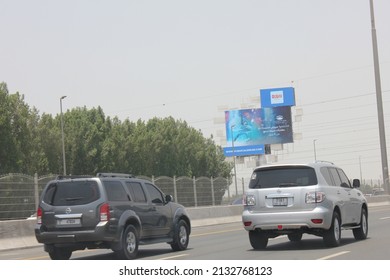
(281, 185)
(74, 198)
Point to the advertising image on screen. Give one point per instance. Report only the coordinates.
(258, 126)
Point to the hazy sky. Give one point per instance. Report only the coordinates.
(193, 59)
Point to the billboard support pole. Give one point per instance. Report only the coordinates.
(234, 160)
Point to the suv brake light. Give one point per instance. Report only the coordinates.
(314, 197)
(39, 215)
(104, 212)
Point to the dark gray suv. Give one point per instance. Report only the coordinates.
(113, 211)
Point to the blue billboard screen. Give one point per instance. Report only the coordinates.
(251, 127)
(276, 97)
(244, 150)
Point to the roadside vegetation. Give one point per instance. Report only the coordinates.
(31, 143)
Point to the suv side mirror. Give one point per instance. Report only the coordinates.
(168, 198)
(356, 183)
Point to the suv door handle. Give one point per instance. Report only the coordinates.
(152, 208)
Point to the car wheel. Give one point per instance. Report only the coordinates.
(295, 237)
(362, 232)
(258, 239)
(181, 236)
(60, 254)
(129, 244)
(333, 235)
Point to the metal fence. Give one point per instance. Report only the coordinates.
(19, 193)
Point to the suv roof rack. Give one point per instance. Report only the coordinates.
(64, 177)
(119, 175)
(324, 161)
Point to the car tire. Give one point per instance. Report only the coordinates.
(130, 243)
(60, 254)
(333, 235)
(181, 236)
(295, 237)
(362, 232)
(258, 239)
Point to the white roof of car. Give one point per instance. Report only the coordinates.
(310, 164)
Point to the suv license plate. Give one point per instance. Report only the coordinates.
(279, 201)
(68, 222)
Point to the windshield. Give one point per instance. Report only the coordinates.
(71, 193)
(279, 177)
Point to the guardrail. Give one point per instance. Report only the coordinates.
(20, 233)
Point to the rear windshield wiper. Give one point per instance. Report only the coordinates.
(281, 185)
(74, 198)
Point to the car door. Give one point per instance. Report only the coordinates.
(140, 205)
(354, 199)
(342, 195)
(160, 213)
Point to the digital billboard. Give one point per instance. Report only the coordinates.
(248, 130)
(244, 150)
(275, 97)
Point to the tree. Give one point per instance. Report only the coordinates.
(96, 143)
(16, 126)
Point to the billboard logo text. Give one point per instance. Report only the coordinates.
(277, 97)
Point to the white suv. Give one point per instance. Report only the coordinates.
(293, 199)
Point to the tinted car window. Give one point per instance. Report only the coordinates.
(136, 191)
(275, 177)
(115, 191)
(344, 179)
(71, 193)
(335, 176)
(327, 176)
(155, 195)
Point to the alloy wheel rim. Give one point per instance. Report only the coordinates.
(336, 229)
(183, 235)
(364, 224)
(130, 241)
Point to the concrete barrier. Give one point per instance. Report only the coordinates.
(20, 233)
(17, 234)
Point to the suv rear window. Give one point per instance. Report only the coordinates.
(71, 193)
(275, 177)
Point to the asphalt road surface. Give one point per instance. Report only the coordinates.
(230, 242)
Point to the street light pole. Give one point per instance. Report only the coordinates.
(62, 135)
(379, 103)
(234, 159)
(315, 152)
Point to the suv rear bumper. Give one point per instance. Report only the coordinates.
(287, 220)
(99, 234)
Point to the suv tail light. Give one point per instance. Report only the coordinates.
(314, 197)
(249, 200)
(104, 212)
(39, 215)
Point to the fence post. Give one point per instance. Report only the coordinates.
(212, 191)
(175, 189)
(36, 191)
(228, 188)
(195, 195)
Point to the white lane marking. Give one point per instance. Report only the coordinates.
(384, 218)
(174, 257)
(334, 255)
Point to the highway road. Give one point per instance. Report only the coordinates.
(230, 242)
